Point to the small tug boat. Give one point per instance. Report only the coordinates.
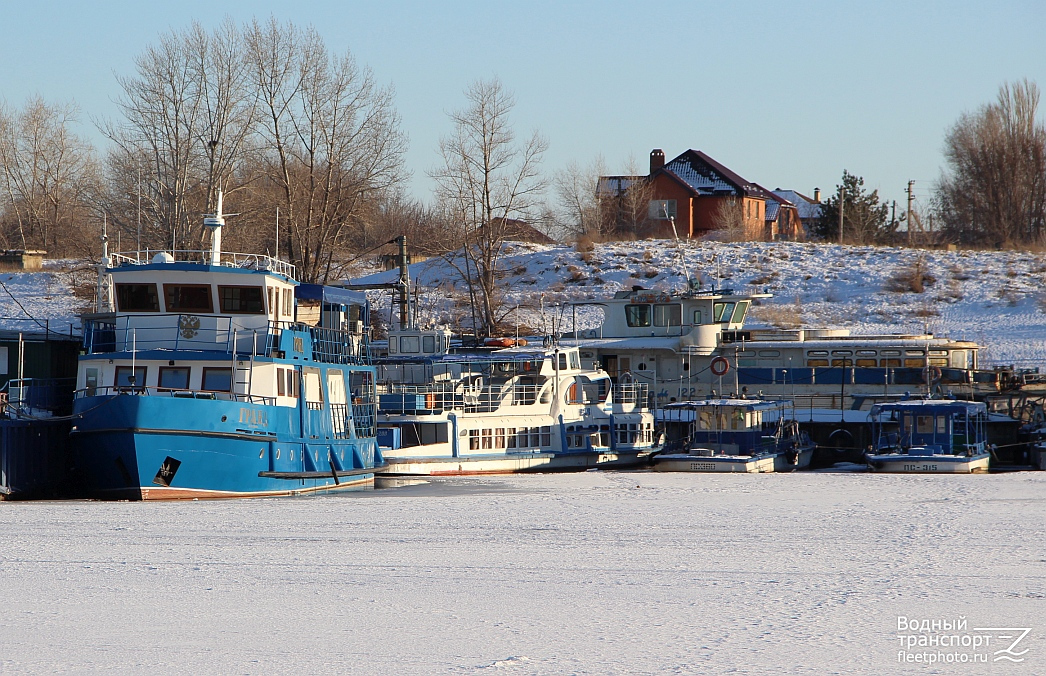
(499, 411)
(211, 375)
(929, 436)
(732, 435)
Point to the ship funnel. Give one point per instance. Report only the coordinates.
(215, 222)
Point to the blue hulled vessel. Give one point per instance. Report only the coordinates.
(211, 375)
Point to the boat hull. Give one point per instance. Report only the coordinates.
(783, 463)
(928, 464)
(681, 462)
(140, 448)
(513, 463)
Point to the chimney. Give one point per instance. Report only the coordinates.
(817, 194)
(657, 159)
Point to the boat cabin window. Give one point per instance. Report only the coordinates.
(924, 424)
(288, 303)
(637, 315)
(722, 312)
(137, 298)
(128, 379)
(188, 298)
(428, 344)
(287, 383)
(890, 353)
(241, 299)
(697, 317)
(217, 379)
(313, 389)
(890, 363)
(668, 315)
(90, 381)
(739, 312)
(562, 361)
(866, 353)
(410, 344)
(173, 378)
(865, 362)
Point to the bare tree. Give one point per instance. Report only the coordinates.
(487, 181)
(581, 212)
(331, 141)
(994, 188)
(49, 177)
(731, 224)
(188, 116)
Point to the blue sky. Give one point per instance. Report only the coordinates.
(786, 94)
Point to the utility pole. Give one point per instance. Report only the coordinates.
(842, 203)
(909, 216)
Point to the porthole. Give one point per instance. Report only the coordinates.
(277, 454)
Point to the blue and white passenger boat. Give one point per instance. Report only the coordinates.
(504, 410)
(211, 375)
(732, 435)
(929, 435)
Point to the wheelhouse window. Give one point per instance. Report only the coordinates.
(217, 380)
(722, 312)
(668, 315)
(173, 378)
(126, 378)
(410, 344)
(188, 298)
(137, 298)
(637, 315)
(739, 312)
(241, 300)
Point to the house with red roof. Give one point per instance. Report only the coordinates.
(697, 195)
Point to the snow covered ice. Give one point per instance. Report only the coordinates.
(590, 573)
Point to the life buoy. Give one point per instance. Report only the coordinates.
(935, 374)
(521, 342)
(719, 366)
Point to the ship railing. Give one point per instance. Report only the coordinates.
(337, 346)
(229, 259)
(636, 394)
(24, 396)
(453, 397)
(107, 391)
(177, 332)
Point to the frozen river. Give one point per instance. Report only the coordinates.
(594, 573)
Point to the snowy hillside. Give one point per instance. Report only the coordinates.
(995, 298)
